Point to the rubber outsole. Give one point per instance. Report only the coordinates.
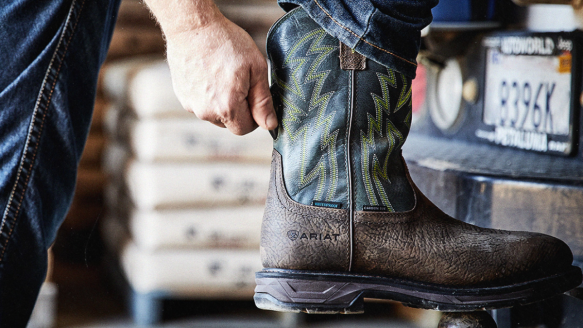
(330, 292)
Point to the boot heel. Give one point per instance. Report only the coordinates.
(309, 296)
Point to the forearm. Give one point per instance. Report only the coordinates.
(177, 16)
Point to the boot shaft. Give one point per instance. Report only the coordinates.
(341, 130)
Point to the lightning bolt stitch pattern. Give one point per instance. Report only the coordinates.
(383, 122)
(374, 172)
(306, 116)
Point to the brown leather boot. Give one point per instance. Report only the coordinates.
(344, 221)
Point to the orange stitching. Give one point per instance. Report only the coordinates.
(35, 151)
(361, 39)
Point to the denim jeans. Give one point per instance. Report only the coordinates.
(51, 52)
(386, 31)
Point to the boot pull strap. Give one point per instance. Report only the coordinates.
(350, 59)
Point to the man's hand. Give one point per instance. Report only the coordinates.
(218, 73)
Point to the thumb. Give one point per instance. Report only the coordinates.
(261, 103)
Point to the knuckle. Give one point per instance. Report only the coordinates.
(262, 65)
(205, 115)
(263, 103)
(239, 130)
(226, 113)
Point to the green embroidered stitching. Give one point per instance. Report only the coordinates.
(301, 134)
(405, 94)
(394, 137)
(408, 119)
(298, 62)
(328, 139)
(375, 125)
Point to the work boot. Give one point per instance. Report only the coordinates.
(344, 221)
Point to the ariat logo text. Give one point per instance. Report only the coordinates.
(294, 235)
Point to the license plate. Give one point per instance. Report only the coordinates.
(527, 97)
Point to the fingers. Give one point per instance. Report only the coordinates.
(224, 82)
(256, 110)
(219, 124)
(251, 105)
(245, 104)
(238, 120)
(259, 98)
(235, 117)
(260, 101)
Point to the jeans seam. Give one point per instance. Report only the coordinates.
(367, 26)
(35, 130)
(360, 37)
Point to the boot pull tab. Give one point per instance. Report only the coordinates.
(350, 59)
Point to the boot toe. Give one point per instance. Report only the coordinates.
(557, 255)
(543, 255)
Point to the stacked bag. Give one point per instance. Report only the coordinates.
(185, 198)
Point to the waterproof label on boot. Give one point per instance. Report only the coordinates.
(327, 204)
(375, 208)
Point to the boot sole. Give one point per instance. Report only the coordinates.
(331, 293)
